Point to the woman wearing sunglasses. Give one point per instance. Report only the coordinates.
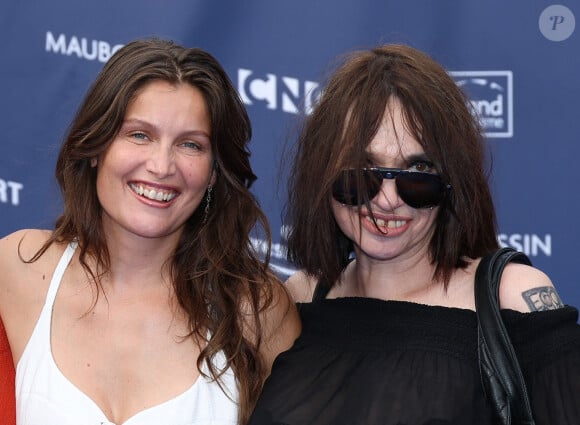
(391, 213)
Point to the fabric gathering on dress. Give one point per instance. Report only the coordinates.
(366, 361)
(45, 396)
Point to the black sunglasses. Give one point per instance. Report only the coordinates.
(416, 189)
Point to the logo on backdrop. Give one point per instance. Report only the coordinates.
(278, 262)
(278, 92)
(491, 94)
(79, 46)
(530, 244)
(557, 22)
(10, 192)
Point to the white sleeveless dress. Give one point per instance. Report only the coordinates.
(44, 396)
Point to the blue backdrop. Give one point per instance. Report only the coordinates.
(518, 61)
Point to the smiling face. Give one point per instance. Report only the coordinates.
(156, 171)
(400, 230)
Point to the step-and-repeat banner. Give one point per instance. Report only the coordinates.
(518, 61)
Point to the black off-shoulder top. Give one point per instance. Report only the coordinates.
(366, 361)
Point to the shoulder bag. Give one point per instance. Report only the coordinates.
(501, 377)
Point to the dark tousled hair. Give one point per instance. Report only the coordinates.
(336, 136)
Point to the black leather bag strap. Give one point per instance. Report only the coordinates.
(502, 379)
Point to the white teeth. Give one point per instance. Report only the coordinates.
(152, 193)
(391, 224)
(396, 223)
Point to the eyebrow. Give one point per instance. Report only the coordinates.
(373, 159)
(147, 124)
(418, 157)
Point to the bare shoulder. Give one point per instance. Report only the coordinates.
(26, 238)
(301, 286)
(23, 283)
(280, 323)
(525, 288)
(18, 246)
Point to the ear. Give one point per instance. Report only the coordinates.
(94, 162)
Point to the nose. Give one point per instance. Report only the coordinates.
(388, 197)
(161, 161)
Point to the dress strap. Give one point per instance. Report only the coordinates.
(320, 292)
(323, 287)
(39, 340)
(58, 273)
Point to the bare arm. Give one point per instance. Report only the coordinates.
(301, 287)
(280, 325)
(524, 288)
(23, 285)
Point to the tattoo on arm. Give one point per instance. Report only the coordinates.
(542, 298)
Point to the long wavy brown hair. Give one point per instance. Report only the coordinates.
(336, 136)
(220, 281)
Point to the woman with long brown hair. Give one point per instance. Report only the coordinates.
(147, 303)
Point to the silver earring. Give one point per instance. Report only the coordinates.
(207, 203)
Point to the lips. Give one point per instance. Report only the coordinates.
(154, 194)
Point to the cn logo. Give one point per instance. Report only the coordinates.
(491, 96)
(286, 93)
